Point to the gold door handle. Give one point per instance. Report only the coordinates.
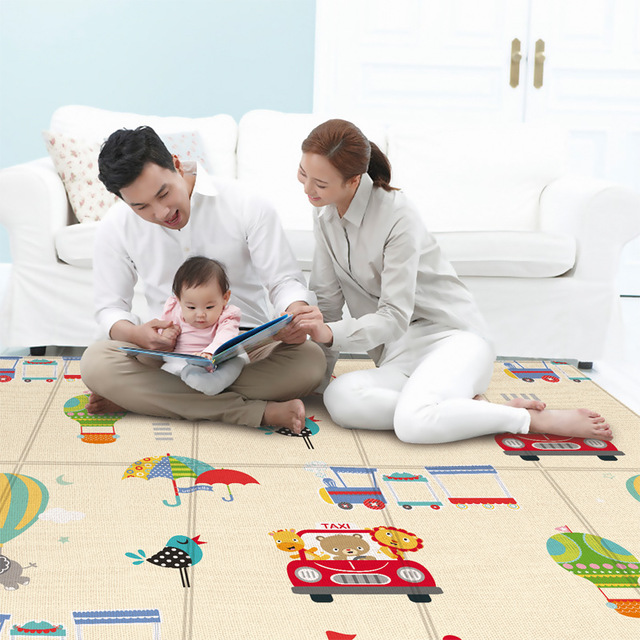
(538, 68)
(516, 56)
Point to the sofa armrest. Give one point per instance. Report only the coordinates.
(602, 217)
(33, 207)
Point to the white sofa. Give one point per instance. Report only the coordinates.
(537, 246)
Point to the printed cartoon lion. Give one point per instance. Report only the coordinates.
(395, 541)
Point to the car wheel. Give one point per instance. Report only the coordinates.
(373, 503)
(422, 597)
(527, 379)
(345, 505)
(548, 378)
(321, 597)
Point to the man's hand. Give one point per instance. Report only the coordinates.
(159, 335)
(309, 320)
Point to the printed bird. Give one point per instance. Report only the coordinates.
(180, 552)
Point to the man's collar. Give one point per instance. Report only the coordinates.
(204, 184)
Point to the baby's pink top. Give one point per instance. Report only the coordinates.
(193, 340)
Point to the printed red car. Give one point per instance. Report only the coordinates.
(531, 445)
(356, 563)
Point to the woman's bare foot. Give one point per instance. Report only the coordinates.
(574, 423)
(288, 414)
(521, 403)
(98, 404)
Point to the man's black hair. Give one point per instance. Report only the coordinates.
(125, 153)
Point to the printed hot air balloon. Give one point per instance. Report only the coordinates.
(600, 561)
(22, 500)
(95, 428)
(633, 486)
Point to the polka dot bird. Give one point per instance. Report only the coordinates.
(180, 552)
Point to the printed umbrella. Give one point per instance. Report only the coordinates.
(225, 476)
(168, 466)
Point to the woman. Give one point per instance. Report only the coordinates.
(408, 309)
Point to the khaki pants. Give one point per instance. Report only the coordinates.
(290, 371)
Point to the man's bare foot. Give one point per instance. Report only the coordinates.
(288, 414)
(573, 423)
(521, 403)
(98, 404)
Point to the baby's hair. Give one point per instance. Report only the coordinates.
(197, 271)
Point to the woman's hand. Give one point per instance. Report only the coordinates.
(205, 354)
(290, 334)
(310, 321)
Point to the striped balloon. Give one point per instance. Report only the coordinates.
(22, 500)
(633, 486)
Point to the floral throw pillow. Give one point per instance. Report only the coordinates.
(76, 161)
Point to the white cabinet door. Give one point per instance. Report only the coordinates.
(591, 82)
(436, 59)
(591, 86)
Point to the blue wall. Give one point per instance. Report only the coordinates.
(163, 57)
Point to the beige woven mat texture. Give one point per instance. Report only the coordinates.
(490, 559)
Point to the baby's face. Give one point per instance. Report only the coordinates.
(201, 306)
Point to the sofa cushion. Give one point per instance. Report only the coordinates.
(269, 154)
(516, 254)
(218, 134)
(491, 253)
(476, 177)
(74, 244)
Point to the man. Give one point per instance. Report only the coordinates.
(169, 212)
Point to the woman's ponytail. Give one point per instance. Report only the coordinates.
(379, 168)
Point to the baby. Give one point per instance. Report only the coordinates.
(202, 319)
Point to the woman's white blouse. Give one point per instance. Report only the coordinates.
(380, 259)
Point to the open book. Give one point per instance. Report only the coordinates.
(247, 342)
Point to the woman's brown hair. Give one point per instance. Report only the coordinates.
(349, 151)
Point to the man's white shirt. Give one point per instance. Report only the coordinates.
(239, 229)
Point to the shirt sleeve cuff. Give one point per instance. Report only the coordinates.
(301, 296)
(340, 339)
(108, 318)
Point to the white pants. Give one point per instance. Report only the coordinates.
(423, 389)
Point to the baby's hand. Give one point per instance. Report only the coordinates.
(171, 332)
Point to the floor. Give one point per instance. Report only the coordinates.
(621, 378)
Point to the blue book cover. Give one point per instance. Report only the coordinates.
(243, 343)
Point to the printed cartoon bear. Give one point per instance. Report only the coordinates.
(345, 546)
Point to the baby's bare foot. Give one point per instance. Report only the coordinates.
(284, 414)
(98, 404)
(521, 403)
(574, 423)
